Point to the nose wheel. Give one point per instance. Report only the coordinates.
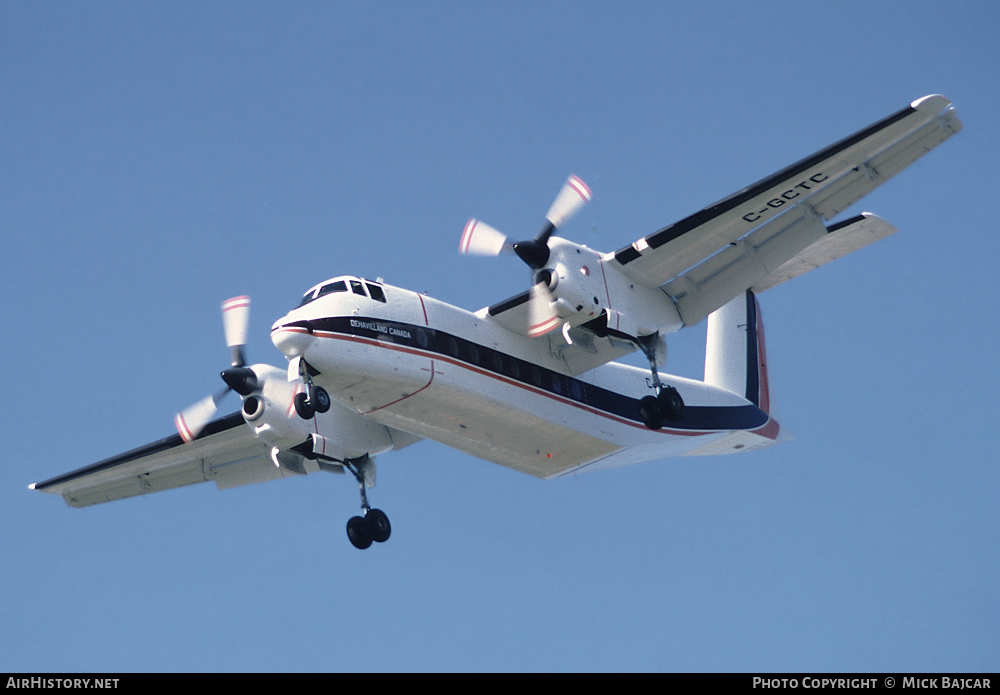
(306, 405)
(314, 399)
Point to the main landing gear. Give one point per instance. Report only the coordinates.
(667, 404)
(374, 525)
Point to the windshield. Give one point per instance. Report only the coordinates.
(357, 287)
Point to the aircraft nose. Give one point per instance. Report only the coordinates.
(293, 338)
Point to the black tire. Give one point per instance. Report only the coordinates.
(320, 400)
(302, 406)
(649, 411)
(357, 533)
(378, 524)
(671, 404)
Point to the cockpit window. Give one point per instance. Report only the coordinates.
(339, 286)
(376, 292)
(308, 297)
(357, 287)
(328, 288)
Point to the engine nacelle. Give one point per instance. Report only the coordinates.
(584, 288)
(337, 434)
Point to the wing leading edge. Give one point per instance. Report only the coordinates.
(706, 259)
(227, 451)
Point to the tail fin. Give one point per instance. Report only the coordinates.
(735, 358)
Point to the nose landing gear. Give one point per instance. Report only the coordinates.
(314, 399)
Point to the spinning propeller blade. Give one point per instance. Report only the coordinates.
(573, 196)
(192, 420)
(480, 239)
(542, 317)
(235, 318)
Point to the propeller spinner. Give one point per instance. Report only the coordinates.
(239, 378)
(480, 239)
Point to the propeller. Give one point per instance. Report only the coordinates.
(542, 317)
(235, 318)
(239, 378)
(480, 239)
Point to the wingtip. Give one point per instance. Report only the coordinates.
(932, 102)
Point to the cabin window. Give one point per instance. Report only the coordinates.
(358, 288)
(515, 368)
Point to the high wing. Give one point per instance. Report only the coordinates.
(706, 259)
(227, 451)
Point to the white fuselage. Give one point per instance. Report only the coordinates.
(437, 371)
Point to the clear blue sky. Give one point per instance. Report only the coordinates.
(157, 158)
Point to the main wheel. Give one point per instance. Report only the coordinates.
(379, 527)
(303, 407)
(357, 533)
(671, 404)
(320, 400)
(649, 411)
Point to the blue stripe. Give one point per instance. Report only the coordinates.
(696, 418)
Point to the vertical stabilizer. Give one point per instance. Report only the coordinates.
(734, 352)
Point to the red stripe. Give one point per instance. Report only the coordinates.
(607, 292)
(543, 327)
(764, 397)
(182, 428)
(463, 245)
(421, 298)
(291, 404)
(582, 189)
(236, 303)
(769, 430)
(291, 329)
(409, 395)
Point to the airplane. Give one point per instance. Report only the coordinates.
(533, 382)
